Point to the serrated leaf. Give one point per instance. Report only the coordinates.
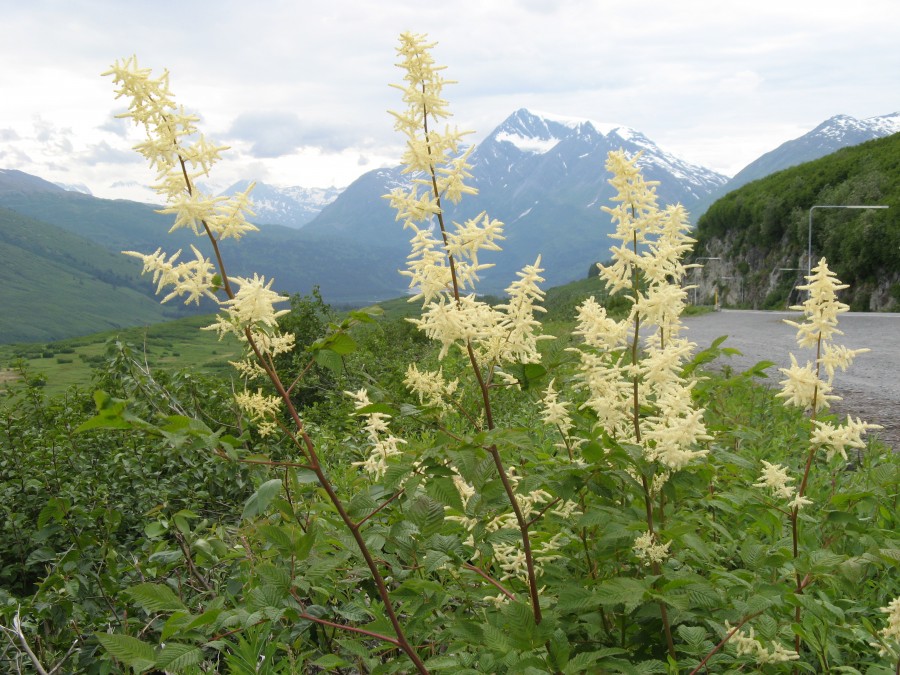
(277, 535)
(129, 650)
(176, 656)
(155, 598)
(622, 591)
(426, 513)
(693, 635)
(444, 490)
(494, 638)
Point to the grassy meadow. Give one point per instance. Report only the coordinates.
(71, 362)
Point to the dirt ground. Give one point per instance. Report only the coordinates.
(870, 388)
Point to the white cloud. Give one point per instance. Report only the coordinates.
(300, 89)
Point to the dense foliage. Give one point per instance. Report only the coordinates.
(465, 492)
(765, 224)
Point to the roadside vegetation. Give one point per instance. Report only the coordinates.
(464, 490)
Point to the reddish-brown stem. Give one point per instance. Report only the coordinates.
(480, 572)
(723, 641)
(543, 511)
(485, 393)
(395, 496)
(795, 511)
(314, 464)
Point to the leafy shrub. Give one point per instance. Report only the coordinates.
(481, 503)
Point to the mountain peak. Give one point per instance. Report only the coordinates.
(538, 132)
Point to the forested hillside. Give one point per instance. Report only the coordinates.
(58, 284)
(761, 230)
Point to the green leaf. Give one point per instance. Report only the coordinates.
(693, 635)
(130, 651)
(558, 647)
(330, 662)
(155, 598)
(55, 509)
(622, 591)
(444, 490)
(339, 343)
(175, 656)
(367, 315)
(259, 501)
(329, 359)
(109, 414)
(427, 514)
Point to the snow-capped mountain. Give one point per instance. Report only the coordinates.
(541, 174)
(289, 206)
(75, 187)
(569, 148)
(837, 132)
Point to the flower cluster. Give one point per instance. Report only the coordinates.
(510, 557)
(181, 155)
(804, 386)
(746, 644)
(810, 386)
(444, 263)
(775, 478)
(648, 551)
(430, 386)
(555, 413)
(647, 264)
(261, 408)
(890, 634)
(384, 445)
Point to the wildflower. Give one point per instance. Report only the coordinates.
(890, 634)
(383, 444)
(430, 386)
(648, 551)
(511, 560)
(821, 307)
(775, 477)
(555, 412)
(837, 438)
(261, 408)
(803, 388)
(746, 644)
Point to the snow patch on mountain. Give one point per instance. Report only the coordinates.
(291, 206)
(530, 144)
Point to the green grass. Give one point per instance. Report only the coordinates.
(181, 344)
(171, 345)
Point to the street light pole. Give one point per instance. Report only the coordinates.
(809, 239)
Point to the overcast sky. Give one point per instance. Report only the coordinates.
(299, 88)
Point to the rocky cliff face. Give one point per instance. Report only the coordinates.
(768, 279)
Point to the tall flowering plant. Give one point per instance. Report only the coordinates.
(181, 155)
(630, 370)
(443, 269)
(810, 387)
(520, 507)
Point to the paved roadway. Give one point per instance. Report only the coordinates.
(870, 387)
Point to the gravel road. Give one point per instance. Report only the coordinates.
(871, 386)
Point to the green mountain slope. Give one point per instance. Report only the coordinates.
(56, 284)
(347, 268)
(763, 227)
